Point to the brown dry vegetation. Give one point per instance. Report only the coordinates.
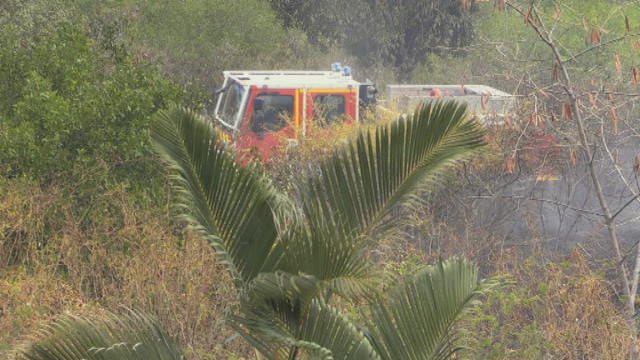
(54, 261)
(554, 305)
(125, 251)
(558, 309)
(65, 247)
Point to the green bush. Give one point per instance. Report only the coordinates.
(196, 40)
(66, 103)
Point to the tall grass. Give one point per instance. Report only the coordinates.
(55, 259)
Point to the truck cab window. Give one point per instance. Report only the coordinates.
(231, 100)
(271, 112)
(329, 109)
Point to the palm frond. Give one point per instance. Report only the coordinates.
(332, 256)
(384, 167)
(323, 333)
(231, 206)
(418, 321)
(131, 336)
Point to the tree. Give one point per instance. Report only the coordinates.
(289, 256)
(66, 104)
(382, 31)
(576, 61)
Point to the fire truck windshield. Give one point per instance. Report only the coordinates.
(231, 100)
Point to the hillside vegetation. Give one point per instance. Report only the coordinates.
(88, 223)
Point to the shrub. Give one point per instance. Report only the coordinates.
(66, 104)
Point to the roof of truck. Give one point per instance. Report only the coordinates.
(422, 90)
(292, 79)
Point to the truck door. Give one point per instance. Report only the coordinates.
(268, 122)
(328, 108)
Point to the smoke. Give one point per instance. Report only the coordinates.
(564, 212)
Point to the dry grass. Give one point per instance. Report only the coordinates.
(553, 310)
(120, 251)
(115, 253)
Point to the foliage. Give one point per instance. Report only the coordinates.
(558, 309)
(75, 240)
(288, 259)
(128, 336)
(118, 251)
(66, 104)
(288, 164)
(380, 30)
(33, 18)
(220, 35)
(505, 49)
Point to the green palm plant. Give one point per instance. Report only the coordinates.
(289, 255)
(128, 336)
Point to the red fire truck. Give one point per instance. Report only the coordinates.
(261, 110)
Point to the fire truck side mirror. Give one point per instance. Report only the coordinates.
(258, 104)
(368, 93)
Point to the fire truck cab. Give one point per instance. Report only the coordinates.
(263, 110)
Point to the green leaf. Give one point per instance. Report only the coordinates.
(383, 168)
(418, 321)
(231, 206)
(357, 188)
(323, 333)
(131, 336)
(331, 256)
(288, 260)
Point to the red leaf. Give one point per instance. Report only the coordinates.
(528, 17)
(636, 165)
(614, 120)
(567, 111)
(500, 5)
(484, 100)
(510, 164)
(616, 58)
(508, 121)
(595, 36)
(592, 100)
(573, 158)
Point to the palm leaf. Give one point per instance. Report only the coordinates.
(131, 336)
(384, 167)
(323, 333)
(362, 182)
(418, 321)
(231, 206)
(331, 256)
